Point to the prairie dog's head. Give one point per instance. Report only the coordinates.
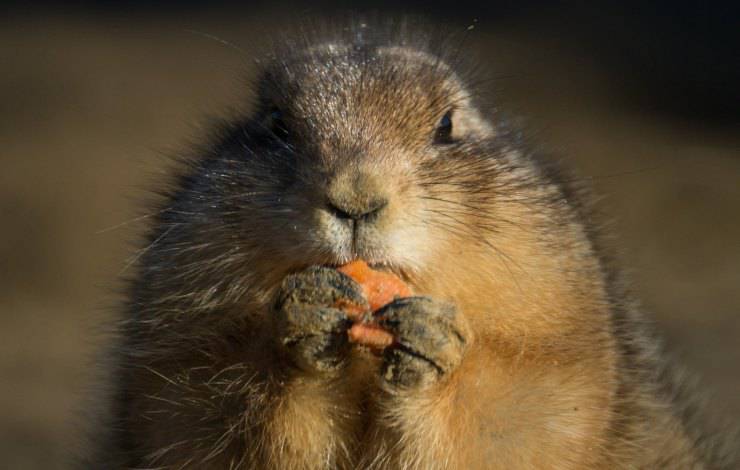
(363, 131)
(372, 152)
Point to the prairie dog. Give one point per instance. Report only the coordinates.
(520, 349)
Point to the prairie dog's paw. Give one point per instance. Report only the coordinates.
(430, 341)
(310, 327)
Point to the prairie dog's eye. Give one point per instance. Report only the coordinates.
(443, 133)
(277, 125)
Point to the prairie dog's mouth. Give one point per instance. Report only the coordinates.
(377, 265)
(374, 265)
(390, 268)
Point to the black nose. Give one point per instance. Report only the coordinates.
(355, 211)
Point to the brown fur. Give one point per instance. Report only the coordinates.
(557, 369)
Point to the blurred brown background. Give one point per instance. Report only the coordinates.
(643, 102)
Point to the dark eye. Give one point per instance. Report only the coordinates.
(277, 125)
(443, 133)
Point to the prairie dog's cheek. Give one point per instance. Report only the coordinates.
(409, 245)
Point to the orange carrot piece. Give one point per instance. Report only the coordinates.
(370, 335)
(380, 288)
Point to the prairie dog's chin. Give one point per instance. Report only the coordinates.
(373, 257)
(378, 254)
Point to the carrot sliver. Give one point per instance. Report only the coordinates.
(370, 335)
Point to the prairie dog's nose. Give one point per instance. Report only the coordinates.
(343, 210)
(355, 197)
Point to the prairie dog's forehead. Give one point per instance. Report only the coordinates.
(349, 61)
(345, 77)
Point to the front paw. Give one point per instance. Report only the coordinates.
(430, 341)
(311, 329)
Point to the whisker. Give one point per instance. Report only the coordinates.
(130, 221)
(147, 248)
(217, 39)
